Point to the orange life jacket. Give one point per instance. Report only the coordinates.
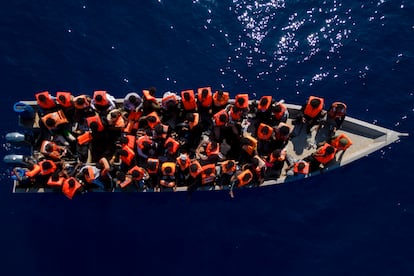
(336, 142)
(155, 162)
(189, 104)
(131, 141)
(313, 112)
(225, 169)
(260, 132)
(244, 98)
(170, 98)
(140, 170)
(263, 107)
(279, 136)
(183, 164)
(196, 172)
(208, 174)
(156, 122)
(218, 115)
(86, 102)
(321, 155)
(104, 101)
(58, 116)
(210, 151)
(48, 103)
(218, 102)
(168, 183)
(305, 170)
(55, 182)
(34, 171)
(241, 176)
(273, 158)
(175, 145)
(142, 140)
(208, 100)
(148, 96)
(126, 182)
(56, 151)
(51, 170)
(252, 146)
(337, 110)
(64, 99)
(279, 115)
(130, 155)
(84, 138)
(68, 190)
(235, 115)
(97, 119)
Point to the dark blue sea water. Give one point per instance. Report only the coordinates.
(358, 220)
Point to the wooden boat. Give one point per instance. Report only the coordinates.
(366, 137)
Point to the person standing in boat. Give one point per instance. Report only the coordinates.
(204, 106)
(149, 101)
(336, 116)
(312, 113)
(264, 110)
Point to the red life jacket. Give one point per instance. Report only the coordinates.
(263, 107)
(244, 98)
(51, 170)
(142, 140)
(244, 178)
(313, 112)
(130, 155)
(140, 170)
(235, 115)
(55, 181)
(279, 115)
(148, 96)
(175, 145)
(183, 164)
(208, 174)
(260, 132)
(337, 144)
(171, 173)
(321, 155)
(58, 117)
(34, 171)
(305, 170)
(218, 115)
(195, 172)
(155, 163)
(225, 167)
(189, 104)
(337, 110)
(104, 101)
(86, 102)
(96, 119)
(64, 99)
(208, 100)
(84, 138)
(155, 122)
(210, 151)
(48, 102)
(218, 102)
(68, 190)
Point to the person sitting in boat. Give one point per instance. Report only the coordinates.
(282, 135)
(264, 139)
(220, 100)
(194, 178)
(336, 116)
(297, 168)
(168, 175)
(240, 179)
(280, 113)
(249, 147)
(188, 102)
(275, 163)
(312, 113)
(208, 152)
(153, 169)
(83, 108)
(116, 119)
(90, 175)
(259, 168)
(102, 102)
(20, 174)
(341, 143)
(183, 169)
(145, 148)
(138, 177)
(71, 187)
(241, 102)
(191, 130)
(204, 106)
(132, 102)
(220, 121)
(208, 175)
(226, 170)
(53, 151)
(323, 156)
(171, 147)
(264, 110)
(65, 101)
(149, 101)
(170, 108)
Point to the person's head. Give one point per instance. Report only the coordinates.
(230, 164)
(132, 99)
(193, 168)
(55, 176)
(80, 101)
(62, 98)
(208, 171)
(330, 150)
(276, 153)
(120, 175)
(115, 115)
(343, 142)
(186, 96)
(94, 126)
(246, 177)
(263, 101)
(277, 108)
(151, 119)
(190, 117)
(213, 145)
(301, 166)
(152, 90)
(220, 93)
(152, 166)
(240, 101)
(71, 182)
(169, 145)
(98, 98)
(204, 93)
(222, 118)
(49, 147)
(123, 152)
(135, 174)
(315, 103)
(168, 170)
(284, 130)
(42, 98)
(50, 122)
(123, 140)
(265, 130)
(255, 162)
